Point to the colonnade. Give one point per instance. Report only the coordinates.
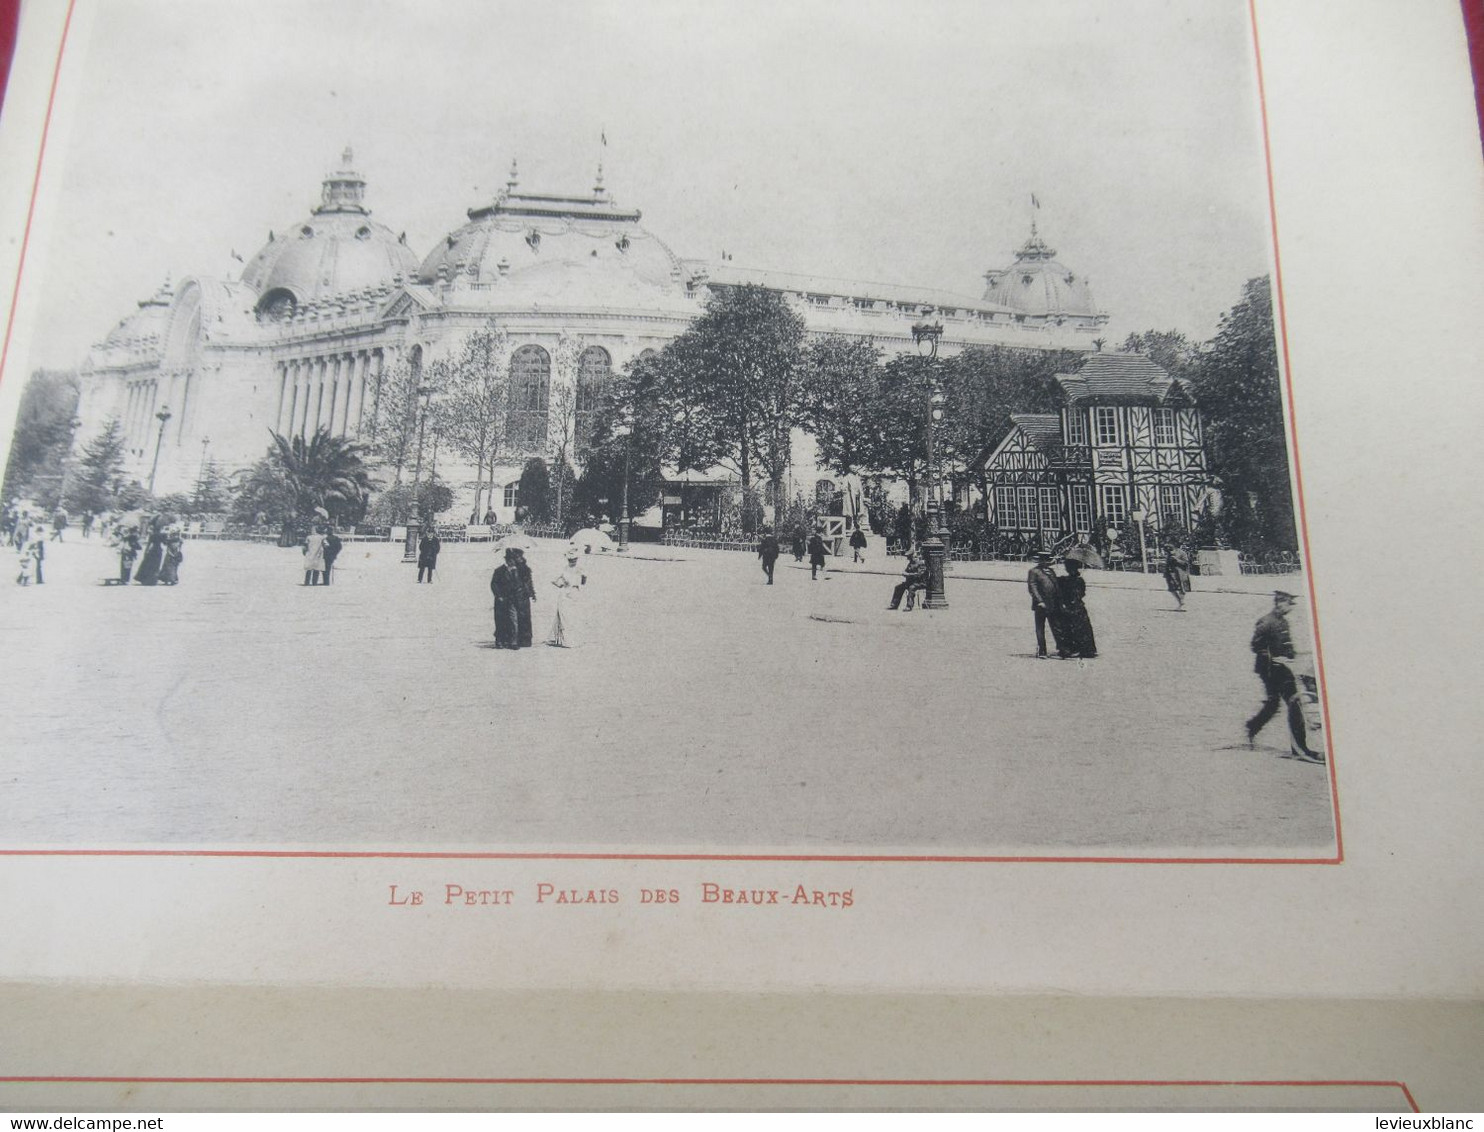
(140, 403)
(328, 392)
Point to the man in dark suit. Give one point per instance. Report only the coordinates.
(1271, 644)
(1045, 599)
(767, 550)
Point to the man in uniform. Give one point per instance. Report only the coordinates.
(1045, 598)
(1271, 641)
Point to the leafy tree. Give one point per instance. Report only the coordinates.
(561, 443)
(471, 412)
(394, 504)
(732, 384)
(43, 431)
(841, 385)
(395, 415)
(1168, 349)
(210, 492)
(262, 494)
(1241, 402)
(325, 471)
(94, 481)
(535, 490)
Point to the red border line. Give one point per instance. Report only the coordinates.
(1336, 859)
(51, 100)
(432, 855)
(908, 1082)
(1298, 472)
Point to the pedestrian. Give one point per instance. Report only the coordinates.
(153, 557)
(333, 545)
(800, 544)
(59, 522)
(1272, 643)
(569, 583)
(427, 553)
(506, 586)
(816, 556)
(857, 544)
(314, 555)
(128, 545)
(768, 550)
(87, 524)
(523, 635)
(1075, 637)
(174, 556)
(914, 578)
(489, 517)
(33, 554)
(1177, 574)
(1045, 601)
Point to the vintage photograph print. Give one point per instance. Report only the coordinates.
(816, 430)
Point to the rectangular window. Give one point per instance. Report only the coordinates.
(1113, 501)
(1076, 426)
(1050, 510)
(1025, 499)
(1171, 507)
(1081, 507)
(512, 494)
(1107, 424)
(1004, 508)
(1164, 426)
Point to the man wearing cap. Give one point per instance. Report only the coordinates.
(1272, 641)
(1041, 582)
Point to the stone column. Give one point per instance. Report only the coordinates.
(332, 371)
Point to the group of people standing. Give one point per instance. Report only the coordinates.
(1058, 601)
(514, 589)
(321, 547)
(150, 550)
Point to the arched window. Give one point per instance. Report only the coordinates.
(530, 395)
(594, 371)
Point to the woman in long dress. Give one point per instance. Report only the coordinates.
(1074, 627)
(174, 556)
(524, 635)
(569, 584)
(314, 556)
(148, 571)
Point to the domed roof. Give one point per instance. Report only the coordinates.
(556, 247)
(1038, 285)
(145, 328)
(339, 248)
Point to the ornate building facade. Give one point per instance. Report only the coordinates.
(576, 286)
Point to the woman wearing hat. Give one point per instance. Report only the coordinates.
(569, 583)
(507, 587)
(1072, 625)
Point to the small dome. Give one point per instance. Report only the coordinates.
(339, 248)
(1039, 286)
(146, 326)
(552, 243)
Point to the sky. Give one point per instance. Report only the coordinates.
(890, 142)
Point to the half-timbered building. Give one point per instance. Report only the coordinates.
(1128, 438)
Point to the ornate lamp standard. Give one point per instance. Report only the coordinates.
(626, 431)
(414, 524)
(162, 416)
(935, 546)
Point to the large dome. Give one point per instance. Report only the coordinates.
(338, 249)
(145, 328)
(1038, 286)
(580, 248)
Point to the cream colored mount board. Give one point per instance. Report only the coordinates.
(272, 846)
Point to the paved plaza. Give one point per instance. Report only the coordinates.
(704, 712)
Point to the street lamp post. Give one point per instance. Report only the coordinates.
(414, 524)
(201, 476)
(623, 514)
(935, 546)
(162, 416)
